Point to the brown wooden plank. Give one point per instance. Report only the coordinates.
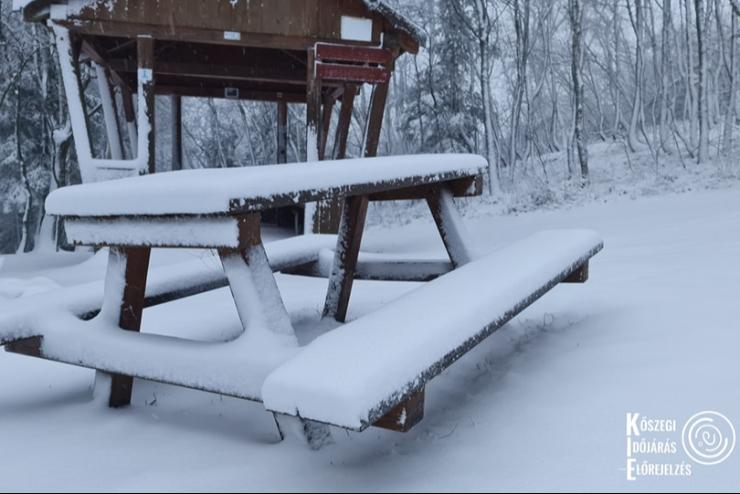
(349, 239)
(352, 73)
(246, 92)
(578, 276)
(282, 131)
(176, 122)
(353, 54)
(345, 121)
(328, 113)
(131, 311)
(465, 187)
(404, 416)
(234, 71)
(145, 54)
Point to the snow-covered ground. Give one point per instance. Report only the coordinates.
(541, 405)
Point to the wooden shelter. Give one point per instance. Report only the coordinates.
(314, 52)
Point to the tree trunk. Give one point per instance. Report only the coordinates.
(575, 11)
(637, 103)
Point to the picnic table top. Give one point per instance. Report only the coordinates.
(250, 189)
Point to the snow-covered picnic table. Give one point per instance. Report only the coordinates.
(369, 372)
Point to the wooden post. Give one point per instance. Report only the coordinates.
(129, 115)
(451, 228)
(145, 51)
(345, 121)
(349, 239)
(282, 131)
(354, 214)
(313, 131)
(176, 102)
(253, 285)
(126, 277)
(110, 116)
(326, 126)
(578, 276)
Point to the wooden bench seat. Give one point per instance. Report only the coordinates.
(231, 368)
(354, 376)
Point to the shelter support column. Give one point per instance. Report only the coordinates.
(176, 103)
(345, 120)
(282, 131)
(127, 102)
(313, 130)
(145, 51)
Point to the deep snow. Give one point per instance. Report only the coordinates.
(539, 406)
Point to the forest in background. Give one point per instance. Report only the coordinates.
(513, 80)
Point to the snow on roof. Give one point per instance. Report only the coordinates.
(398, 20)
(20, 4)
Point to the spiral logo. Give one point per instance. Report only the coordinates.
(709, 438)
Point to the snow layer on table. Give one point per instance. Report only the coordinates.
(207, 191)
(190, 232)
(343, 376)
(23, 319)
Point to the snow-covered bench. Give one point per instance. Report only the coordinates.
(373, 370)
(219, 209)
(355, 376)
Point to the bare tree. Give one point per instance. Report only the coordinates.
(703, 114)
(638, 24)
(575, 14)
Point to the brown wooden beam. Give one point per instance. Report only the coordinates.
(176, 105)
(313, 134)
(349, 239)
(220, 92)
(353, 54)
(97, 54)
(282, 131)
(233, 72)
(136, 261)
(145, 54)
(405, 415)
(353, 73)
(578, 276)
(345, 122)
(328, 113)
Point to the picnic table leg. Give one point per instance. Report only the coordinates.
(253, 286)
(352, 222)
(262, 313)
(342, 275)
(125, 284)
(451, 227)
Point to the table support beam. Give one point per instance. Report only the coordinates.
(352, 224)
(125, 285)
(451, 227)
